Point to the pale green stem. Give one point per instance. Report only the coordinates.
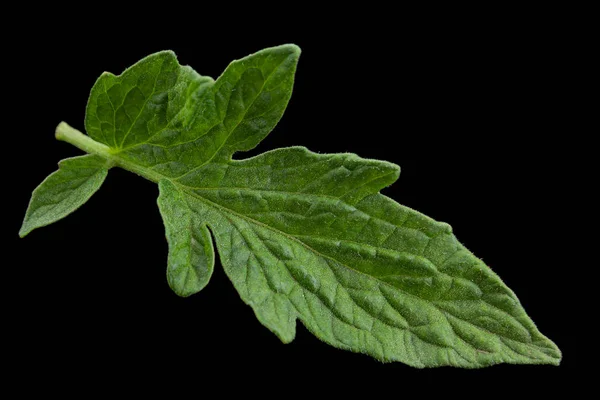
(71, 135)
(66, 133)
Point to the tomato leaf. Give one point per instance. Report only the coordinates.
(301, 235)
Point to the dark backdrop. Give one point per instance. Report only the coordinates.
(472, 109)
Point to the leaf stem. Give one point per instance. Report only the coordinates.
(66, 133)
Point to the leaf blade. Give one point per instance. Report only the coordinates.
(412, 297)
(196, 120)
(257, 89)
(191, 255)
(145, 100)
(64, 191)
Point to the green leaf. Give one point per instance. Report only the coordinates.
(64, 191)
(301, 235)
(191, 254)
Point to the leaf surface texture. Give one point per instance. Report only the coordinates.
(302, 235)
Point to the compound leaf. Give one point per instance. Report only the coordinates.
(301, 235)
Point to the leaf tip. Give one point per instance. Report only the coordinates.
(181, 292)
(293, 48)
(543, 352)
(285, 336)
(556, 358)
(24, 231)
(553, 360)
(182, 287)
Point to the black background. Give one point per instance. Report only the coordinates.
(475, 109)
